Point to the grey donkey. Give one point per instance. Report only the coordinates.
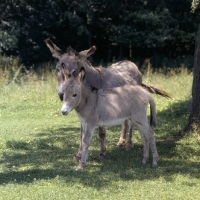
(118, 74)
(109, 107)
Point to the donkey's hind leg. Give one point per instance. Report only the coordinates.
(122, 138)
(145, 145)
(153, 147)
(148, 141)
(102, 136)
(129, 143)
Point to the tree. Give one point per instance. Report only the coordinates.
(195, 4)
(9, 30)
(193, 122)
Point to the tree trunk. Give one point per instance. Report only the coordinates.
(193, 123)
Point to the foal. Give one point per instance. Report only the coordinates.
(109, 107)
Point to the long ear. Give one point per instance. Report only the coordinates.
(86, 53)
(56, 52)
(81, 75)
(65, 72)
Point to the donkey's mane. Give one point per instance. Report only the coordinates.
(70, 51)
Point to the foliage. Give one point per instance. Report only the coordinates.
(37, 145)
(11, 69)
(194, 5)
(120, 29)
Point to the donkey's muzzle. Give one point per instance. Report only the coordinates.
(65, 109)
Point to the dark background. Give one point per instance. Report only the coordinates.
(160, 30)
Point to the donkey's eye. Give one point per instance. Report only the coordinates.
(74, 95)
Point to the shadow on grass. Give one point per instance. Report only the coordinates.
(50, 155)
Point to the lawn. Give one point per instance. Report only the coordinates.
(37, 145)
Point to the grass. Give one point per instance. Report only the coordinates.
(37, 145)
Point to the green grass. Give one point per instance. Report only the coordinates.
(37, 145)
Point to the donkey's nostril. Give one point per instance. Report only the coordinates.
(64, 112)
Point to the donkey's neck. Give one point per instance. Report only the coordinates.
(88, 95)
(93, 75)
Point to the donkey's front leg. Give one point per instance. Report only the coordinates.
(79, 154)
(86, 137)
(102, 136)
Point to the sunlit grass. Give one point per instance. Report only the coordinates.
(37, 145)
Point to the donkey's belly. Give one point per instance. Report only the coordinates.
(111, 122)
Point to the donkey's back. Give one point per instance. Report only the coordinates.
(118, 74)
(118, 104)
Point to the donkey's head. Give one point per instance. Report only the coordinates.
(71, 91)
(69, 60)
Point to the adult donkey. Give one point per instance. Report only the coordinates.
(109, 107)
(118, 74)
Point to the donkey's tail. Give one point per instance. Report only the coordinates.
(155, 90)
(153, 118)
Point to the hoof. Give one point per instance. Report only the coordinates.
(80, 167)
(154, 165)
(144, 161)
(120, 143)
(155, 161)
(77, 158)
(128, 148)
(101, 156)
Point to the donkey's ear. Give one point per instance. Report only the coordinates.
(81, 74)
(66, 73)
(56, 52)
(86, 53)
(74, 73)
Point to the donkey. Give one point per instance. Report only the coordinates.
(109, 107)
(118, 74)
